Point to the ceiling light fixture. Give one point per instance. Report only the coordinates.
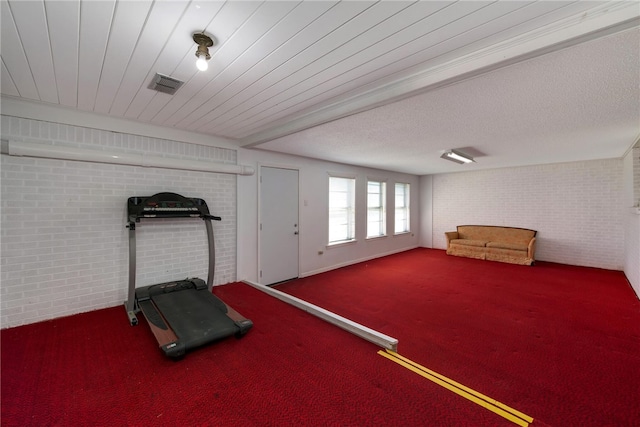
(204, 42)
(458, 157)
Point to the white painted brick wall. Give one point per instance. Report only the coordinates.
(635, 153)
(64, 242)
(576, 207)
(632, 219)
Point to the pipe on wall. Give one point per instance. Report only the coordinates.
(30, 149)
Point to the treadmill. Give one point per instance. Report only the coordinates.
(183, 314)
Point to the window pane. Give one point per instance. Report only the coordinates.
(341, 209)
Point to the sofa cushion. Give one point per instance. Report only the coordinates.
(504, 245)
(468, 242)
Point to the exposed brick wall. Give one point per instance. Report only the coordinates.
(64, 241)
(577, 208)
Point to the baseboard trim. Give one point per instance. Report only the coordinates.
(356, 261)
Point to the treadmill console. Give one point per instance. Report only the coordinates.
(167, 205)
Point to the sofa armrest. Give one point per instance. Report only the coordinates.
(450, 235)
(531, 250)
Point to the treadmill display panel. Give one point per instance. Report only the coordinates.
(166, 205)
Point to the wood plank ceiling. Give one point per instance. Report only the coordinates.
(277, 67)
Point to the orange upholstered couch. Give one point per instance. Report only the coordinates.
(504, 244)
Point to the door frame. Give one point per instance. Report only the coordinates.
(258, 249)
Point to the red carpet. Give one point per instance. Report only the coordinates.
(290, 369)
(559, 343)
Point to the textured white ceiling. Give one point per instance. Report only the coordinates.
(579, 103)
(281, 67)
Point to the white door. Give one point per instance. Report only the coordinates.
(278, 225)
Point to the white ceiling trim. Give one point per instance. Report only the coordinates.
(599, 22)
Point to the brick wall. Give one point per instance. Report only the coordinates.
(635, 153)
(577, 208)
(64, 242)
(632, 219)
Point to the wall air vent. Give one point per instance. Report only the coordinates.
(165, 84)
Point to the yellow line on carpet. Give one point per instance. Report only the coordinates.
(492, 405)
(467, 389)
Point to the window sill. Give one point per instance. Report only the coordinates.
(377, 237)
(341, 243)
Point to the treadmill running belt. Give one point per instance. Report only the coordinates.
(195, 316)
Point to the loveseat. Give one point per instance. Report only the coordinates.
(504, 244)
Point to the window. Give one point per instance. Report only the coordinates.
(376, 212)
(402, 208)
(342, 216)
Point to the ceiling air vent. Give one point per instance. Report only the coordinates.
(165, 84)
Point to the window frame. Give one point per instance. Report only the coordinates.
(381, 207)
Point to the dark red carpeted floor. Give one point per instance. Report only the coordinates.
(290, 369)
(559, 343)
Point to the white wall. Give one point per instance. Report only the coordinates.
(64, 242)
(426, 211)
(634, 156)
(314, 214)
(632, 218)
(577, 208)
(64, 245)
